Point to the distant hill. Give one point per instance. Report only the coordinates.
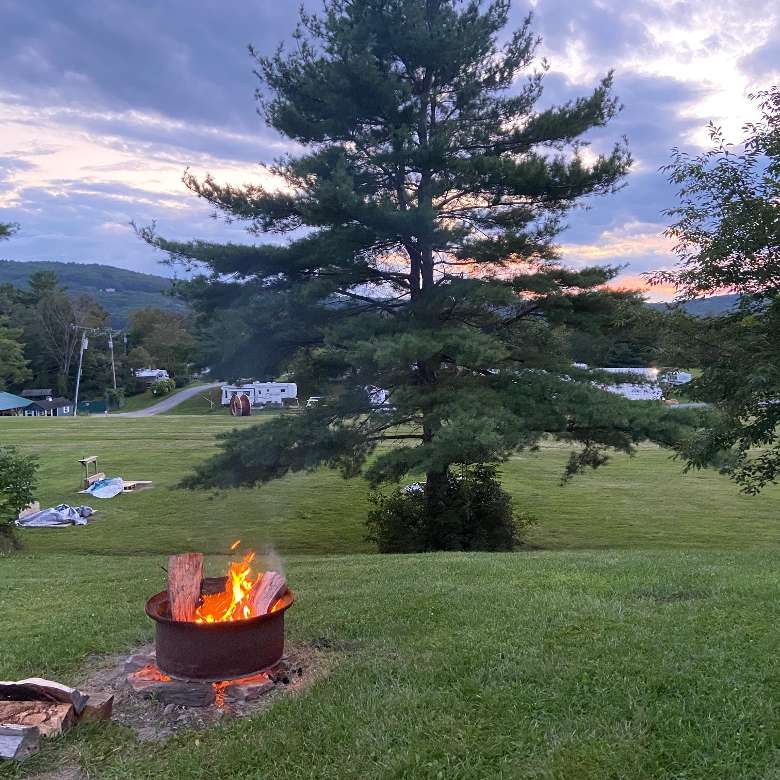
(706, 307)
(117, 290)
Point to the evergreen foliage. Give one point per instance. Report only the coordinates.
(7, 229)
(419, 253)
(478, 516)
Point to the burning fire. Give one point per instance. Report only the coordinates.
(233, 603)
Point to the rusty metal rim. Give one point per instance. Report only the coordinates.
(154, 610)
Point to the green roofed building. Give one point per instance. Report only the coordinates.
(12, 405)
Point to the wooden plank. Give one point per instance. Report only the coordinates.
(185, 573)
(90, 459)
(50, 718)
(129, 485)
(18, 742)
(266, 591)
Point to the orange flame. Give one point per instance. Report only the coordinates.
(232, 603)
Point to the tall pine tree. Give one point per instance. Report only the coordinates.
(418, 253)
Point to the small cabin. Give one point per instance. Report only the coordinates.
(262, 393)
(50, 407)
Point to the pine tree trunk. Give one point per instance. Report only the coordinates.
(436, 509)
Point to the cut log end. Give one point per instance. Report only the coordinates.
(49, 718)
(99, 706)
(185, 573)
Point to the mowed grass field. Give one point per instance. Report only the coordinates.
(636, 637)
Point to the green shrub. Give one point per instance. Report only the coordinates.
(163, 387)
(115, 398)
(477, 515)
(17, 486)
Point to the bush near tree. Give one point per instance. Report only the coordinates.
(420, 221)
(478, 516)
(163, 387)
(17, 486)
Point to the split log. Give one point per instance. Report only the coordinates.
(38, 689)
(18, 742)
(266, 591)
(185, 573)
(99, 706)
(50, 718)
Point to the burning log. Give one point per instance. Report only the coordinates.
(18, 742)
(185, 573)
(266, 592)
(50, 718)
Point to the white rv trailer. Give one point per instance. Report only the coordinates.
(261, 393)
(647, 389)
(644, 391)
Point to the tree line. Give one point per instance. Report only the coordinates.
(41, 327)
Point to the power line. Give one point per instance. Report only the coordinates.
(85, 345)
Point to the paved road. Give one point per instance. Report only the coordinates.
(167, 403)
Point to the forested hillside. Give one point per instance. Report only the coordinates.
(117, 290)
(705, 307)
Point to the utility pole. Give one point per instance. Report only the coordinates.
(84, 330)
(111, 350)
(84, 345)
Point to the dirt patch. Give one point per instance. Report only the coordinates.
(153, 721)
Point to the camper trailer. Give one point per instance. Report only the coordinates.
(262, 393)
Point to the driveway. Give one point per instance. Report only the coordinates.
(169, 402)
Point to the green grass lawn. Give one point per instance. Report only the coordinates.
(637, 640)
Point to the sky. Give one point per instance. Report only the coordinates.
(105, 103)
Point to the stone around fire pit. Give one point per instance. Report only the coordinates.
(146, 679)
(150, 682)
(152, 720)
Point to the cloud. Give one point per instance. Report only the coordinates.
(104, 103)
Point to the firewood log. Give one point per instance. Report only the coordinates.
(265, 592)
(50, 718)
(18, 742)
(38, 689)
(185, 573)
(99, 706)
